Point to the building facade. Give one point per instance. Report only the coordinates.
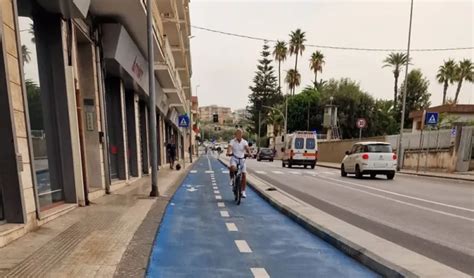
(207, 113)
(75, 99)
(449, 114)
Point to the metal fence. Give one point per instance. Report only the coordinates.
(435, 139)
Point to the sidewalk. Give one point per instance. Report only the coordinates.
(89, 241)
(466, 176)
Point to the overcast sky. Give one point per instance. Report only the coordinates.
(224, 66)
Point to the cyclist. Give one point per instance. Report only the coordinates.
(238, 148)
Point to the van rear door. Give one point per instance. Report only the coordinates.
(311, 149)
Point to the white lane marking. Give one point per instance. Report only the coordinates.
(216, 192)
(224, 213)
(218, 197)
(225, 172)
(329, 173)
(295, 173)
(215, 187)
(402, 202)
(403, 195)
(220, 205)
(231, 227)
(209, 163)
(261, 172)
(259, 272)
(209, 172)
(243, 246)
(277, 172)
(193, 171)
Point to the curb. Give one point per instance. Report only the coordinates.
(392, 261)
(412, 174)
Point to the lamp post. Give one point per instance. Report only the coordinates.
(404, 98)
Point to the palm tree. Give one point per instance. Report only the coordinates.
(446, 75)
(25, 54)
(293, 78)
(279, 52)
(396, 61)
(316, 64)
(297, 40)
(464, 71)
(275, 119)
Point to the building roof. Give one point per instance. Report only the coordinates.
(451, 109)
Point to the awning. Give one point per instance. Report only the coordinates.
(68, 8)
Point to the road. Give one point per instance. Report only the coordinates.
(433, 217)
(205, 234)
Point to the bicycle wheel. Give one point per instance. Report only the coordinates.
(238, 190)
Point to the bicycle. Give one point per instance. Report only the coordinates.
(237, 181)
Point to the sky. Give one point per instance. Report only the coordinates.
(224, 66)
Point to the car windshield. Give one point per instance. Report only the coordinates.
(299, 143)
(266, 151)
(379, 148)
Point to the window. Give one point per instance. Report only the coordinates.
(310, 143)
(299, 143)
(355, 149)
(379, 148)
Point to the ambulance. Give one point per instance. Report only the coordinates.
(301, 148)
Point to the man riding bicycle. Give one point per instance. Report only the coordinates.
(238, 148)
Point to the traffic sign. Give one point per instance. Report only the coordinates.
(183, 121)
(361, 123)
(453, 132)
(431, 118)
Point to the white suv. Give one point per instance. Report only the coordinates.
(370, 158)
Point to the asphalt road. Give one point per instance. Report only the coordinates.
(205, 234)
(431, 216)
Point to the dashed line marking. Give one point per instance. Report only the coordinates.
(243, 246)
(193, 171)
(209, 172)
(231, 227)
(259, 272)
(220, 205)
(224, 213)
(215, 187)
(216, 192)
(225, 172)
(261, 172)
(277, 172)
(295, 173)
(218, 197)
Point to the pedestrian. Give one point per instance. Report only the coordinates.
(171, 150)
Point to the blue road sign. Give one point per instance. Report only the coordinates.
(431, 118)
(183, 121)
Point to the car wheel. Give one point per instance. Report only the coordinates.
(372, 176)
(258, 159)
(289, 164)
(358, 172)
(313, 166)
(343, 171)
(390, 176)
(306, 166)
(283, 164)
(271, 160)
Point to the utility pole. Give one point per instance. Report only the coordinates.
(152, 104)
(400, 139)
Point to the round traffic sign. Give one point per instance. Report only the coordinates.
(361, 123)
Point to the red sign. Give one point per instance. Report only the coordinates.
(361, 123)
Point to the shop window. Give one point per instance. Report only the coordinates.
(49, 188)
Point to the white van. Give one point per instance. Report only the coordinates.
(301, 148)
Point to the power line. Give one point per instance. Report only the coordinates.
(335, 47)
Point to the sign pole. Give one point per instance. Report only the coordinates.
(360, 134)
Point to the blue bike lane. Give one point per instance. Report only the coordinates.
(205, 234)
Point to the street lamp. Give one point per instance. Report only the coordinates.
(400, 144)
(197, 86)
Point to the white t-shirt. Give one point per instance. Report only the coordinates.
(238, 148)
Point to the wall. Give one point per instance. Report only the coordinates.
(434, 160)
(334, 151)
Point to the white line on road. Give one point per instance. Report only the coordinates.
(209, 172)
(193, 171)
(406, 196)
(214, 183)
(209, 163)
(243, 246)
(224, 213)
(295, 173)
(218, 197)
(402, 202)
(259, 272)
(225, 172)
(231, 227)
(277, 172)
(215, 187)
(216, 192)
(220, 205)
(261, 172)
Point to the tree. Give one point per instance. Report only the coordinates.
(264, 89)
(383, 120)
(25, 54)
(417, 97)
(464, 71)
(300, 106)
(446, 75)
(275, 118)
(293, 79)
(396, 61)
(316, 64)
(34, 105)
(297, 40)
(279, 52)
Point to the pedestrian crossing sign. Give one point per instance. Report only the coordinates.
(431, 118)
(183, 121)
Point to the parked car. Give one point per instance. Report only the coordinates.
(301, 149)
(253, 151)
(370, 158)
(265, 154)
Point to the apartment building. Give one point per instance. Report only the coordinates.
(75, 101)
(207, 113)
